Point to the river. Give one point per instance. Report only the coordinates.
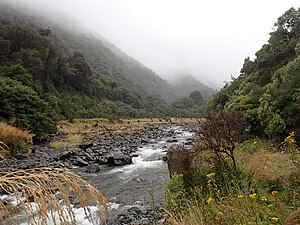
(126, 187)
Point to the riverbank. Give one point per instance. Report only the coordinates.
(123, 162)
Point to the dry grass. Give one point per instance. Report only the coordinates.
(268, 165)
(14, 138)
(86, 129)
(68, 143)
(46, 187)
(293, 218)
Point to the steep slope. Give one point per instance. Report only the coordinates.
(267, 89)
(108, 60)
(105, 59)
(186, 84)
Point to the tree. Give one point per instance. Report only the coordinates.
(247, 67)
(197, 97)
(219, 132)
(22, 105)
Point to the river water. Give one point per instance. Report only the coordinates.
(127, 186)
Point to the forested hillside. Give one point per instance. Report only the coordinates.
(48, 72)
(268, 88)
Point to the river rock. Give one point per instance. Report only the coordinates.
(89, 157)
(118, 159)
(81, 162)
(172, 140)
(85, 145)
(92, 168)
(66, 155)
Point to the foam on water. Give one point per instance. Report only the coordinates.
(80, 217)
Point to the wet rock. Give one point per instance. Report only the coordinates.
(118, 159)
(188, 143)
(164, 158)
(172, 140)
(89, 157)
(145, 140)
(81, 162)
(66, 155)
(134, 154)
(86, 145)
(93, 168)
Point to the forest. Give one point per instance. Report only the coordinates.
(48, 75)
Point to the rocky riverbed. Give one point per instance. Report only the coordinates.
(123, 167)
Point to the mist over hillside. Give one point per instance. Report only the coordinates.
(185, 84)
(72, 73)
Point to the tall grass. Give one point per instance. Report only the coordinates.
(50, 189)
(15, 139)
(265, 191)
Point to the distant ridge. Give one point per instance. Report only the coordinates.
(186, 84)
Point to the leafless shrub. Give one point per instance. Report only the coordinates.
(219, 132)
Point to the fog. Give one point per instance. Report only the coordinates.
(207, 39)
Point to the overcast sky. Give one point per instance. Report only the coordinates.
(208, 39)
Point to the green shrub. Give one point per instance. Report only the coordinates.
(24, 107)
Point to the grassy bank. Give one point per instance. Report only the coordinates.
(264, 190)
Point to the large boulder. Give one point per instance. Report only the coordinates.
(118, 158)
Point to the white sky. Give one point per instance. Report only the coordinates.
(209, 39)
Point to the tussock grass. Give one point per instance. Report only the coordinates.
(46, 187)
(15, 139)
(270, 165)
(68, 143)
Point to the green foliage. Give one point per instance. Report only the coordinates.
(176, 194)
(197, 97)
(22, 105)
(268, 88)
(216, 197)
(69, 76)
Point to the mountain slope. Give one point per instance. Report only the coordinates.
(267, 89)
(105, 59)
(49, 73)
(185, 85)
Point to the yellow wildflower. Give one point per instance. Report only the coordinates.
(253, 195)
(274, 193)
(255, 142)
(209, 200)
(290, 139)
(270, 206)
(209, 183)
(264, 198)
(240, 196)
(275, 219)
(211, 175)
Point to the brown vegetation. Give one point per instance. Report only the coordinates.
(46, 187)
(15, 139)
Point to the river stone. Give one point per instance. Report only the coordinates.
(89, 157)
(118, 159)
(85, 145)
(92, 168)
(81, 162)
(172, 140)
(66, 155)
